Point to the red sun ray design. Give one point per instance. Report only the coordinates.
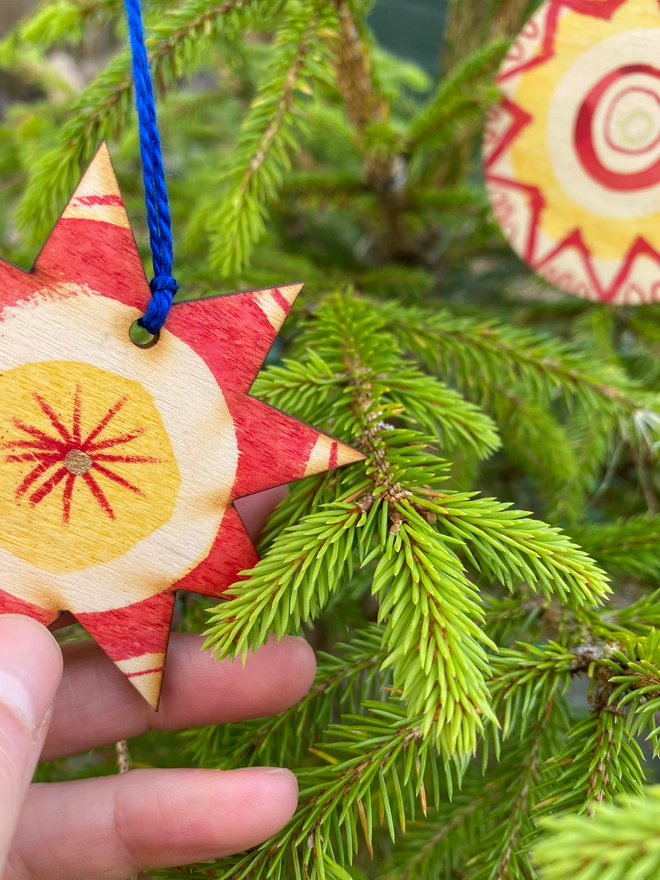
(118, 465)
(72, 457)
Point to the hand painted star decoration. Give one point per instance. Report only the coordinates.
(119, 465)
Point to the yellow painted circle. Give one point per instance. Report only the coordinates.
(87, 469)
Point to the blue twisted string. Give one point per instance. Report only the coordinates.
(163, 286)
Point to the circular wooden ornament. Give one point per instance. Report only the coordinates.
(572, 152)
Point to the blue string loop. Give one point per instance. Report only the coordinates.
(163, 286)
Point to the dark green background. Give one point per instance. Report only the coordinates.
(411, 28)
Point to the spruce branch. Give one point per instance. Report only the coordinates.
(442, 841)
(484, 831)
(440, 411)
(517, 616)
(395, 516)
(431, 609)
(51, 24)
(596, 437)
(618, 843)
(466, 87)
(305, 496)
(636, 681)
(527, 679)
(365, 104)
(305, 564)
(638, 618)
(434, 635)
(501, 851)
(481, 354)
(312, 389)
(601, 762)
(269, 135)
(96, 114)
(507, 544)
(103, 108)
(533, 438)
(368, 109)
(627, 548)
(378, 769)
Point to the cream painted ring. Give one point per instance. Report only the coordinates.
(195, 418)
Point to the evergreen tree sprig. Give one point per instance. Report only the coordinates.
(526, 680)
(501, 852)
(375, 774)
(636, 682)
(467, 88)
(508, 545)
(397, 517)
(305, 564)
(104, 106)
(434, 634)
(480, 354)
(443, 840)
(270, 133)
(618, 842)
(600, 762)
(52, 24)
(626, 547)
(421, 401)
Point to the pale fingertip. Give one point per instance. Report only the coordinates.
(30, 668)
(302, 664)
(266, 796)
(288, 785)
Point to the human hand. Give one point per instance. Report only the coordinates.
(116, 826)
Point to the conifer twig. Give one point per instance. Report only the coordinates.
(269, 135)
(618, 842)
(123, 756)
(102, 108)
(381, 750)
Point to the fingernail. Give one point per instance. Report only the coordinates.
(30, 668)
(278, 771)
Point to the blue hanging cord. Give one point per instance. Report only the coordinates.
(163, 286)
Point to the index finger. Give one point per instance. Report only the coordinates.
(96, 705)
(30, 671)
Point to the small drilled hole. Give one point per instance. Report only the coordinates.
(141, 337)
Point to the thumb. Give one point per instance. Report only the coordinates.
(30, 672)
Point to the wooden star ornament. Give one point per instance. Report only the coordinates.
(119, 465)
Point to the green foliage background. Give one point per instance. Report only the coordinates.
(487, 676)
